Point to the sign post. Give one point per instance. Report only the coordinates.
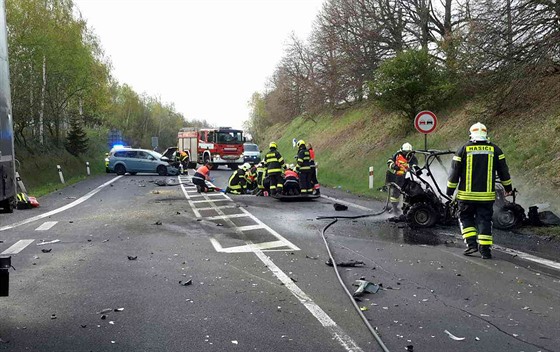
(425, 122)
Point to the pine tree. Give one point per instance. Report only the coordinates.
(76, 141)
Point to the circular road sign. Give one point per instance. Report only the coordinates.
(425, 122)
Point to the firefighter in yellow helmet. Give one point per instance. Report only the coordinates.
(397, 166)
(274, 163)
(237, 183)
(303, 167)
(473, 173)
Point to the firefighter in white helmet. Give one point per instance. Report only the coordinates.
(397, 166)
(473, 173)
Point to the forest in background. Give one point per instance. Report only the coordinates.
(63, 92)
(411, 55)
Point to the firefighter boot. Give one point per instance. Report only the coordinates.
(472, 246)
(395, 209)
(485, 252)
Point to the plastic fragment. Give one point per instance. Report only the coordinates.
(340, 207)
(112, 322)
(83, 326)
(53, 316)
(363, 309)
(235, 342)
(185, 283)
(46, 250)
(48, 242)
(409, 348)
(103, 317)
(477, 338)
(350, 263)
(119, 309)
(365, 286)
(130, 257)
(106, 310)
(453, 337)
(158, 223)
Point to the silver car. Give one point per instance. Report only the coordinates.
(136, 161)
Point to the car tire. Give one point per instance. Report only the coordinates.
(120, 169)
(7, 205)
(162, 170)
(421, 215)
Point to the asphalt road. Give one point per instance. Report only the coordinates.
(258, 277)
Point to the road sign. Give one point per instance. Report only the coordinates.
(425, 122)
(155, 142)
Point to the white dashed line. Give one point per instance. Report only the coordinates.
(18, 247)
(46, 225)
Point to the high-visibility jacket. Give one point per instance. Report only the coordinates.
(202, 173)
(273, 161)
(261, 174)
(399, 163)
(237, 180)
(303, 160)
(473, 171)
(183, 156)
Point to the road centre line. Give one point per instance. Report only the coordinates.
(338, 334)
(61, 209)
(17, 247)
(325, 320)
(46, 225)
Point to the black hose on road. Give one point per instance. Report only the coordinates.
(333, 261)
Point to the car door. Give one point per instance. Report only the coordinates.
(131, 161)
(145, 162)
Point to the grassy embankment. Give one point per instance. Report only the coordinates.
(347, 144)
(39, 173)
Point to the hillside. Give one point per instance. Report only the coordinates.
(347, 143)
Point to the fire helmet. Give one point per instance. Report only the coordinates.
(273, 145)
(407, 147)
(246, 166)
(478, 132)
(300, 143)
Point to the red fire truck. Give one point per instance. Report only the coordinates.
(221, 146)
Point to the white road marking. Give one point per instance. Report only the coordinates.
(249, 227)
(229, 216)
(18, 247)
(61, 209)
(209, 200)
(46, 225)
(218, 207)
(325, 320)
(272, 246)
(529, 257)
(215, 194)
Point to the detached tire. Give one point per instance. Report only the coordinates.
(120, 169)
(7, 206)
(421, 215)
(161, 170)
(508, 217)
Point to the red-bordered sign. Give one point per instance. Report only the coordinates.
(425, 122)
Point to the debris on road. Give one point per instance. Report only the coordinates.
(103, 317)
(48, 242)
(119, 309)
(350, 263)
(409, 348)
(106, 310)
(46, 250)
(309, 257)
(453, 337)
(130, 257)
(158, 223)
(234, 342)
(185, 283)
(53, 316)
(365, 286)
(340, 207)
(363, 309)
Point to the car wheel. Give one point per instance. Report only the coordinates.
(421, 215)
(120, 169)
(162, 170)
(7, 205)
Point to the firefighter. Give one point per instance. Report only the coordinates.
(314, 182)
(237, 183)
(250, 176)
(303, 167)
(181, 161)
(274, 163)
(200, 177)
(398, 165)
(473, 172)
(291, 181)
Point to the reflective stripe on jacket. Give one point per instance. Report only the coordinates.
(237, 180)
(303, 160)
(273, 161)
(473, 171)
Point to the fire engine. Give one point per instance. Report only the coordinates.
(221, 146)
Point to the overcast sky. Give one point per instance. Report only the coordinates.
(205, 56)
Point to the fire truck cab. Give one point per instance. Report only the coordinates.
(221, 146)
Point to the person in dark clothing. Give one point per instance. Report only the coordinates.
(200, 177)
(314, 181)
(473, 173)
(237, 183)
(397, 166)
(291, 181)
(274, 163)
(304, 168)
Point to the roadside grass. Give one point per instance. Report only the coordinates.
(39, 171)
(347, 144)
